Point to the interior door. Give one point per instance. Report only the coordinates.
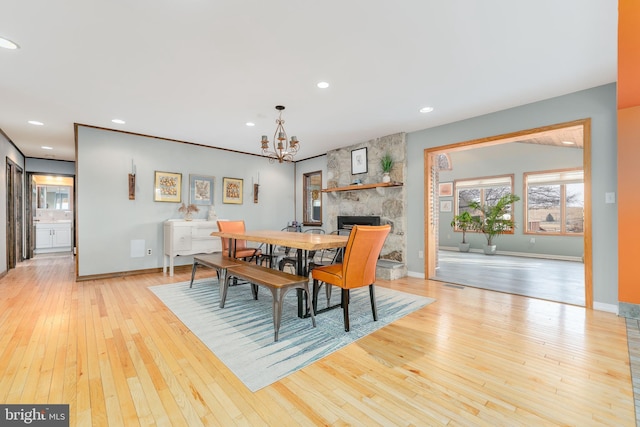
(14, 214)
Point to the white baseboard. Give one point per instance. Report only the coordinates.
(415, 274)
(520, 254)
(601, 306)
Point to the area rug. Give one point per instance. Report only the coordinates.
(241, 334)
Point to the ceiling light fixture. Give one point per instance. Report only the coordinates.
(323, 85)
(426, 109)
(250, 124)
(568, 142)
(8, 44)
(35, 123)
(44, 147)
(281, 152)
(118, 121)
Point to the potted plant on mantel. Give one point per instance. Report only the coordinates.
(495, 219)
(386, 162)
(464, 222)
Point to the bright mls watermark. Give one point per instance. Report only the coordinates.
(34, 415)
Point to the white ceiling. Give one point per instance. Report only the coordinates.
(198, 70)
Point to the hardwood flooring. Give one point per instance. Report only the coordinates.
(553, 280)
(112, 351)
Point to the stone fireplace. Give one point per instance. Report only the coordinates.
(387, 204)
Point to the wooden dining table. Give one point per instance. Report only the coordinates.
(302, 242)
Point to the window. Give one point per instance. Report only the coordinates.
(485, 190)
(555, 202)
(312, 196)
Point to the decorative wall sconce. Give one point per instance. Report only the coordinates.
(132, 182)
(256, 187)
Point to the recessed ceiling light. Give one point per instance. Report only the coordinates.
(250, 124)
(8, 44)
(323, 85)
(568, 142)
(426, 109)
(44, 147)
(35, 122)
(118, 121)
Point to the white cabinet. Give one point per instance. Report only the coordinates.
(62, 236)
(53, 237)
(188, 238)
(44, 239)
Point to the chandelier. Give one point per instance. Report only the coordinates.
(280, 150)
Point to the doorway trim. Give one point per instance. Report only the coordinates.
(32, 203)
(430, 231)
(15, 218)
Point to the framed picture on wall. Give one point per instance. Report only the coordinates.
(445, 189)
(201, 190)
(445, 206)
(232, 190)
(359, 161)
(167, 187)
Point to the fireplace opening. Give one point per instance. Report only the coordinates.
(347, 222)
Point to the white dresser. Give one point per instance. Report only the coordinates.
(188, 238)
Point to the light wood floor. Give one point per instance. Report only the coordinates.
(118, 356)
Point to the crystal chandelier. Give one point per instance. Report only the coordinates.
(280, 152)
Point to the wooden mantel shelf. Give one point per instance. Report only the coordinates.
(363, 187)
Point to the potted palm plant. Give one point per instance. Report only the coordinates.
(464, 222)
(495, 219)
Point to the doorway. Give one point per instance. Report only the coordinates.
(14, 181)
(52, 218)
(549, 135)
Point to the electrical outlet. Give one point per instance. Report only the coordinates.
(532, 240)
(148, 251)
(420, 254)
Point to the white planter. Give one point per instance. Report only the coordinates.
(489, 250)
(385, 177)
(464, 247)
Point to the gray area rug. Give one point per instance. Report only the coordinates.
(241, 334)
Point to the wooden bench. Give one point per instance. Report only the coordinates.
(221, 263)
(278, 282)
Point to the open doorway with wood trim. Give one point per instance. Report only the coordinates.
(527, 244)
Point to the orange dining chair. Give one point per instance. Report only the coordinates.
(241, 250)
(328, 257)
(357, 269)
